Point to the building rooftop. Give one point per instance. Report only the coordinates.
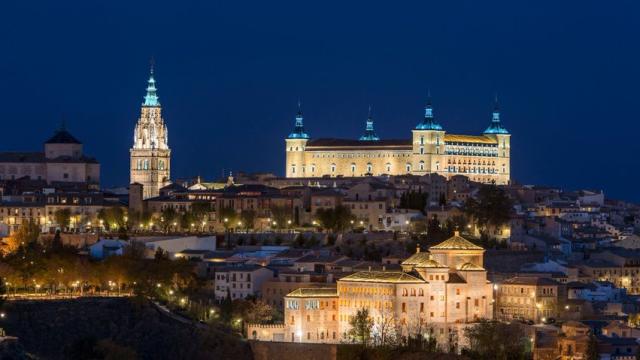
(314, 292)
(469, 139)
(348, 143)
(382, 276)
(456, 242)
(529, 280)
(62, 136)
(470, 267)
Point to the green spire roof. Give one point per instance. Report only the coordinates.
(151, 99)
(369, 133)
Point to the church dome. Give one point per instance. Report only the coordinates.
(456, 242)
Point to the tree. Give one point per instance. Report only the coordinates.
(412, 199)
(248, 217)
(337, 219)
(491, 209)
(112, 217)
(592, 348)
(385, 328)
(135, 250)
(496, 340)
(169, 216)
(56, 243)
(200, 211)
(252, 311)
(28, 232)
(62, 218)
(281, 215)
(361, 325)
(228, 216)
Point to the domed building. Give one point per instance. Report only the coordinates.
(62, 161)
(438, 292)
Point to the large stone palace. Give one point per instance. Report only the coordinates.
(62, 161)
(150, 155)
(437, 292)
(483, 158)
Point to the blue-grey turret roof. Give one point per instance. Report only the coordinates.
(496, 127)
(428, 123)
(298, 131)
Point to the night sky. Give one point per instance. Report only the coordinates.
(229, 75)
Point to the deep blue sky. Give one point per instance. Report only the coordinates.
(230, 73)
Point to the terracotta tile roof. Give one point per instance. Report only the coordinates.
(314, 292)
(382, 276)
(456, 242)
(469, 139)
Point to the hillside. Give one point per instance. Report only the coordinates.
(124, 328)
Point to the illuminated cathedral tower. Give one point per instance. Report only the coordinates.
(150, 154)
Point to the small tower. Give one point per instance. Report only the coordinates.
(295, 144)
(369, 133)
(503, 145)
(428, 145)
(150, 154)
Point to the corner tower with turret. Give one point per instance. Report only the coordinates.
(427, 145)
(295, 144)
(150, 155)
(497, 132)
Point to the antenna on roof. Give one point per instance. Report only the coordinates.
(152, 64)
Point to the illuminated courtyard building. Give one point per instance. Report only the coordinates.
(430, 150)
(438, 292)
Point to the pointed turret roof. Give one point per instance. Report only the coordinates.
(151, 99)
(298, 131)
(62, 136)
(369, 133)
(496, 127)
(428, 123)
(456, 242)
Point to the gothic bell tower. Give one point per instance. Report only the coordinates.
(150, 154)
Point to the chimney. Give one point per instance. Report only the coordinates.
(418, 248)
(384, 268)
(369, 268)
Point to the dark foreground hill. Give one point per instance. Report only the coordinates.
(122, 329)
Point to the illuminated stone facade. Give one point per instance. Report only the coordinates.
(150, 154)
(483, 158)
(437, 292)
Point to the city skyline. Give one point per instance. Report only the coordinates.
(217, 94)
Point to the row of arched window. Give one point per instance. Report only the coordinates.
(474, 162)
(143, 164)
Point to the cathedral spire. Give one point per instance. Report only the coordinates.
(496, 127)
(151, 99)
(369, 133)
(428, 123)
(298, 131)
